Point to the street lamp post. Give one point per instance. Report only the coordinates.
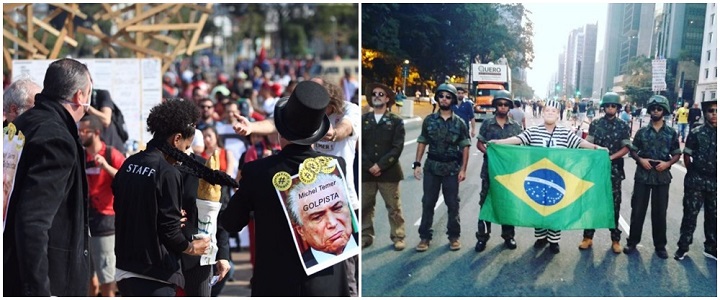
(406, 64)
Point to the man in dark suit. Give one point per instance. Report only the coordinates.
(45, 238)
(300, 121)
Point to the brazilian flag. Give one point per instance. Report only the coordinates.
(553, 188)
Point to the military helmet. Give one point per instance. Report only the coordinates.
(610, 98)
(706, 105)
(447, 88)
(502, 95)
(659, 101)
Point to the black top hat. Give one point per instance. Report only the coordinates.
(301, 117)
(388, 92)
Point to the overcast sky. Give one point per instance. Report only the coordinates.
(552, 24)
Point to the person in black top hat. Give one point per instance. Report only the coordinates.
(300, 121)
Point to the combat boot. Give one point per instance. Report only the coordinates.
(585, 244)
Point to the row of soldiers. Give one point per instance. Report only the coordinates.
(655, 148)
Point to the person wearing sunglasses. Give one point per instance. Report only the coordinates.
(700, 158)
(499, 127)
(612, 133)
(655, 148)
(383, 138)
(207, 114)
(448, 140)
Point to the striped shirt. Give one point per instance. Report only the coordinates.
(561, 137)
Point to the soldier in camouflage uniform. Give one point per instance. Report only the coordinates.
(700, 183)
(612, 133)
(449, 141)
(499, 127)
(655, 149)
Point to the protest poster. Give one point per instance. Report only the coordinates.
(322, 220)
(13, 142)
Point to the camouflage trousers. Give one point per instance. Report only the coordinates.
(693, 201)
(617, 199)
(484, 227)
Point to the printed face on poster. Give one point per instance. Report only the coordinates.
(324, 225)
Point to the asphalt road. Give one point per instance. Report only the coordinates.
(526, 271)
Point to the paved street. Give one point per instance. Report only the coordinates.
(240, 287)
(527, 271)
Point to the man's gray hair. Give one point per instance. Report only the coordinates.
(292, 200)
(18, 94)
(64, 77)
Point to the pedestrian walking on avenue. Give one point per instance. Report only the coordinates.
(448, 140)
(434, 104)
(45, 238)
(700, 157)
(550, 135)
(464, 109)
(655, 149)
(682, 120)
(694, 116)
(499, 127)
(382, 143)
(614, 134)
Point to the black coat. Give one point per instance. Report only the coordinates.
(45, 240)
(148, 238)
(278, 270)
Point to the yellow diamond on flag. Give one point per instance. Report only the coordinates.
(545, 186)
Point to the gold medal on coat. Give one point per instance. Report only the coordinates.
(307, 176)
(312, 165)
(282, 181)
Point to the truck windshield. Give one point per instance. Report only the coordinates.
(484, 92)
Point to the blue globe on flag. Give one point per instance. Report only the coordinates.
(545, 187)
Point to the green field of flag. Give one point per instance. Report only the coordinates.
(553, 188)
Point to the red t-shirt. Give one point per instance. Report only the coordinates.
(99, 181)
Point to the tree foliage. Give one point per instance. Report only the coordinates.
(638, 80)
(442, 39)
(639, 71)
(638, 95)
(521, 89)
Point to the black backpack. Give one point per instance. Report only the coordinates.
(117, 117)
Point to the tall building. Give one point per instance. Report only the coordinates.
(587, 68)
(707, 79)
(598, 91)
(560, 77)
(682, 29)
(629, 33)
(573, 55)
(579, 62)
